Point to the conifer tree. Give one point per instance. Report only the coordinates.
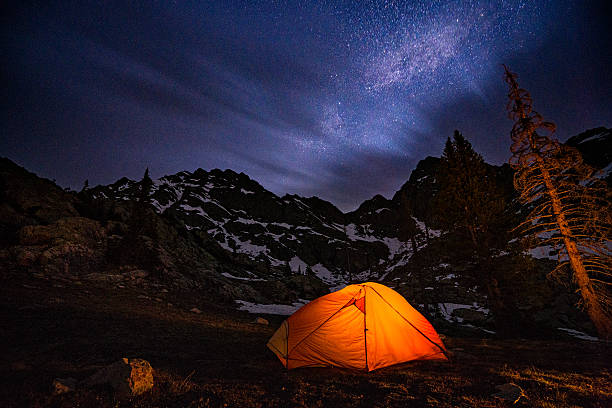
(287, 269)
(471, 205)
(139, 221)
(469, 201)
(570, 208)
(145, 188)
(85, 186)
(346, 250)
(407, 226)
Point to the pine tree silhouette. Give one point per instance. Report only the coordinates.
(469, 200)
(145, 186)
(471, 205)
(407, 226)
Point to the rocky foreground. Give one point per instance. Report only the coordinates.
(209, 357)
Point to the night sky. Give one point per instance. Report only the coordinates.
(332, 98)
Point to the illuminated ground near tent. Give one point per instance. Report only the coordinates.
(217, 358)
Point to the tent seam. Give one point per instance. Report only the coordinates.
(407, 321)
(275, 348)
(365, 328)
(317, 328)
(287, 343)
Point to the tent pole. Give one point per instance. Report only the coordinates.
(365, 329)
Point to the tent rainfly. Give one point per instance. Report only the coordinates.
(363, 326)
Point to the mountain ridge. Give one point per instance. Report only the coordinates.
(222, 232)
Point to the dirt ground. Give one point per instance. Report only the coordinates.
(219, 358)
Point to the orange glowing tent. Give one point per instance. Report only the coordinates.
(364, 326)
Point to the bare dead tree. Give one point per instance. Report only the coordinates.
(570, 206)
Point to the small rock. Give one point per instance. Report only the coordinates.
(261, 320)
(164, 290)
(158, 300)
(143, 297)
(138, 273)
(128, 377)
(121, 286)
(63, 385)
(20, 366)
(509, 392)
(170, 304)
(196, 310)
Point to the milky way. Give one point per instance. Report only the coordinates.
(335, 99)
(408, 56)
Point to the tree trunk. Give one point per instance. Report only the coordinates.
(593, 307)
(496, 303)
(602, 323)
(472, 231)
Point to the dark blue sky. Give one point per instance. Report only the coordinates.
(332, 99)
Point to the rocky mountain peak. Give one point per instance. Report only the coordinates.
(221, 229)
(595, 146)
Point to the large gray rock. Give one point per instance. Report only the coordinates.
(261, 320)
(470, 315)
(128, 377)
(63, 385)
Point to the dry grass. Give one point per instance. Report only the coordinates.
(219, 359)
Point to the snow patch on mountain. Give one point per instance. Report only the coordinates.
(276, 309)
(296, 264)
(229, 275)
(605, 172)
(447, 309)
(597, 136)
(324, 274)
(244, 247)
(578, 334)
(250, 221)
(422, 227)
(544, 251)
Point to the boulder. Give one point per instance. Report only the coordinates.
(470, 315)
(195, 310)
(509, 392)
(128, 377)
(261, 320)
(63, 385)
(307, 286)
(80, 230)
(136, 274)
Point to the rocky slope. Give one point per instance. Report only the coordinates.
(49, 232)
(289, 233)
